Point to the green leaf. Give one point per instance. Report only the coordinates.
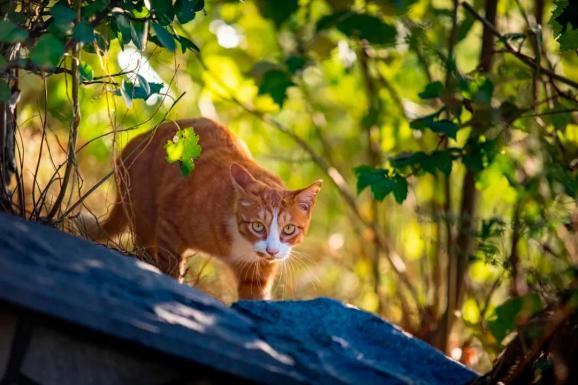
(187, 44)
(415, 159)
(558, 120)
(295, 63)
(163, 10)
(479, 153)
(465, 27)
(444, 126)
(165, 37)
(275, 83)
(121, 25)
(186, 9)
(432, 90)
(394, 7)
(442, 160)
(564, 22)
(47, 51)
(185, 149)
(86, 72)
(479, 89)
(400, 188)
(366, 176)
(360, 25)
(510, 313)
(93, 8)
(381, 183)
(569, 40)
(83, 32)
(5, 92)
(11, 33)
(129, 91)
(125, 95)
(278, 11)
(137, 32)
(142, 82)
(509, 111)
(438, 160)
(62, 14)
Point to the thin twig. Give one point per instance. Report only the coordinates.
(71, 155)
(80, 200)
(529, 61)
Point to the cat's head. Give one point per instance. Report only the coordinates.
(273, 220)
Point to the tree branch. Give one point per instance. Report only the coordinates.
(529, 61)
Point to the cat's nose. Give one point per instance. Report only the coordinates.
(272, 252)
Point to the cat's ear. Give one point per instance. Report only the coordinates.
(305, 198)
(242, 179)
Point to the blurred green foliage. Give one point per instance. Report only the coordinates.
(370, 88)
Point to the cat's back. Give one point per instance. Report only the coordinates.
(212, 136)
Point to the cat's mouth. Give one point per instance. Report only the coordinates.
(266, 257)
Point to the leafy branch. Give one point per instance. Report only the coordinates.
(529, 61)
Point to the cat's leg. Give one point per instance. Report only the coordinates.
(169, 249)
(255, 279)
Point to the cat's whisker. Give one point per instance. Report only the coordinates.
(299, 258)
(280, 280)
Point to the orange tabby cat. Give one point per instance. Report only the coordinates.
(228, 206)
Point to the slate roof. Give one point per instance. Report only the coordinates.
(319, 341)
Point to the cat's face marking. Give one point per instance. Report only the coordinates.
(272, 220)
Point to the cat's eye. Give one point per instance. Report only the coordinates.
(257, 227)
(289, 229)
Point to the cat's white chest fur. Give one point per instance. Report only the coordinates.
(241, 249)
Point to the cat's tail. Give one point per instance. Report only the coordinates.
(91, 227)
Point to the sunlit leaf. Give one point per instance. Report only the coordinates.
(564, 22)
(86, 71)
(183, 148)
